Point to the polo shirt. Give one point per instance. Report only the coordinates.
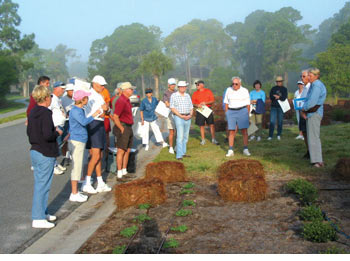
(167, 95)
(237, 99)
(183, 104)
(95, 102)
(315, 96)
(204, 95)
(123, 109)
(58, 114)
(148, 109)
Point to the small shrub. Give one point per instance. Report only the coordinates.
(189, 185)
(183, 212)
(142, 218)
(119, 250)
(186, 191)
(311, 213)
(129, 231)
(187, 203)
(171, 243)
(334, 250)
(305, 191)
(338, 114)
(319, 232)
(144, 206)
(182, 228)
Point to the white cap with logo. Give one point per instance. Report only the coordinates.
(171, 81)
(99, 79)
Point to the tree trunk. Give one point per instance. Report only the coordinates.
(189, 80)
(25, 88)
(143, 85)
(156, 85)
(286, 79)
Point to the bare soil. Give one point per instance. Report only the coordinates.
(216, 226)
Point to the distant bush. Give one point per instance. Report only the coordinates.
(311, 213)
(305, 191)
(320, 232)
(338, 114)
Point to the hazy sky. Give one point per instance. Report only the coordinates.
(76, 23)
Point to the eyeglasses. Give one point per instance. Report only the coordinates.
(236, 84)
(303, 76)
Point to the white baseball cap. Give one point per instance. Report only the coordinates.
(182, 84)
(99, 79)
(69, 87)
(171, 81)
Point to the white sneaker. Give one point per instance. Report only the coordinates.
(165, 144)
(61, 167)
(120, 174)
(230, 153)
(32, 168)
(103, 188)
(299, 137)
(51, 218)
(146, 148)
(171, 150)
(251, 138)
(279, 137)
(246, 152)
(89, 189)
(69, 155)
(258, 138)
(57, 171)
(203, 142)
(269, 138)
(77, 197)
(124, 171)
(42, 223)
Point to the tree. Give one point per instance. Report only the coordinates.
(220, 78)
(157, 64)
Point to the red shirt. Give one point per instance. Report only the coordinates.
(31, 105)
(123, 109)
(205, 95)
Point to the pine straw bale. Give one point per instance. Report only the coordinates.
(342, 169)
(167, 171)
(242, 181)
(142, 191)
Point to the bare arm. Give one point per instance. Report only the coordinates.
(117, 122)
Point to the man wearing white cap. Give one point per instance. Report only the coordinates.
(96, 136)
(170, 119)
(182, 108)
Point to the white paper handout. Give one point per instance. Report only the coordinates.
(205, 111)
(284, 105)
(162, 109)
(252, 128)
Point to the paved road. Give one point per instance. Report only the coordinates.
(16, 185)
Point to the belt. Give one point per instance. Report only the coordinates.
(126, 124)
(237, 109)
(185, 114)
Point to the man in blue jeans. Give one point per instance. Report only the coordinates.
(277, 93)
(182, 108)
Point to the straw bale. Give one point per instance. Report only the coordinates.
(342, 169)
(242, 167)
(167, 171)
(142, 191)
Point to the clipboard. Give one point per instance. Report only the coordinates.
(299, 103)
(205, 111)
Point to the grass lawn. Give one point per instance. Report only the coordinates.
(278, 157)
(14, 117)
(10, 104)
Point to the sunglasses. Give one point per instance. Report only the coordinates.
(235, 84)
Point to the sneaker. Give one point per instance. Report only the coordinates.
(246, 152)
(42, 223)
(203, 142)
(165, 144)
(215, 142)
(69, 155)
(57, 171)
(125, 172)
(77, 197)
(299, 137)
(269, 138)
(61, 167)
(32, 168)
(103, 188)
(230, 153)
(51, 218)
(89, 189)
(278, 137)
(258, 138)
(146, 148)
(171, 150)
(120, 174)
(251, 138)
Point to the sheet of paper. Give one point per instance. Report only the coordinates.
(162, 109)
(284, 105)
(205, 111)
(252, 129)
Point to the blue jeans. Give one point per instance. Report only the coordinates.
(182, 132)
(276, 113)
(43, 173)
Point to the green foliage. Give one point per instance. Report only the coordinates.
(338, 114)
(183, 212)
(142, 218)
(171, 243)
(334, 250)
(144, 206)
(14, 117)
(189, 185)
(311, 213)
(182, 228)
(220, 78)
(186, 191)
(187, 203)
(318, 231)
(305, 191)
(129, 231)
(119, 249)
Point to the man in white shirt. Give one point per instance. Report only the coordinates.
(302, 121)
(237, 107)
(96, 136)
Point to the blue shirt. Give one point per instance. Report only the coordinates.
(254, 95)
(77, 124)
(315, 96)
(148, 109)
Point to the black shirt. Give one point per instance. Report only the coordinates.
(280, 91)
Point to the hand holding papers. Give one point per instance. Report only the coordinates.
(162, 109)
(205, 111)
(284, 105)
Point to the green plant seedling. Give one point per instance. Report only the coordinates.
(305, 191)
(183, 212)
(142, 218)
(186, 191)
(119, 250)
(334, 250)
(129, 231)
(319, 232)
(187, 203)
(182, 228)
(171, 243)
(311, 213)
(145, 206)
(189, 185)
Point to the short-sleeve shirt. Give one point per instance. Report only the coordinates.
(205, 95)
(183, 104)
(58, 114)
(167, 95)
(123, 109)
(148, 109)
(237, 99)
(95, 102)
(254, 95)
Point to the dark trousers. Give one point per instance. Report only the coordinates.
(276, 114)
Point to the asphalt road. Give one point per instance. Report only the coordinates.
(16, 186)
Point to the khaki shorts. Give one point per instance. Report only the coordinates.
(170, 122)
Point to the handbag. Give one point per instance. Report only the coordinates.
(140, 130)
(260, 106)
